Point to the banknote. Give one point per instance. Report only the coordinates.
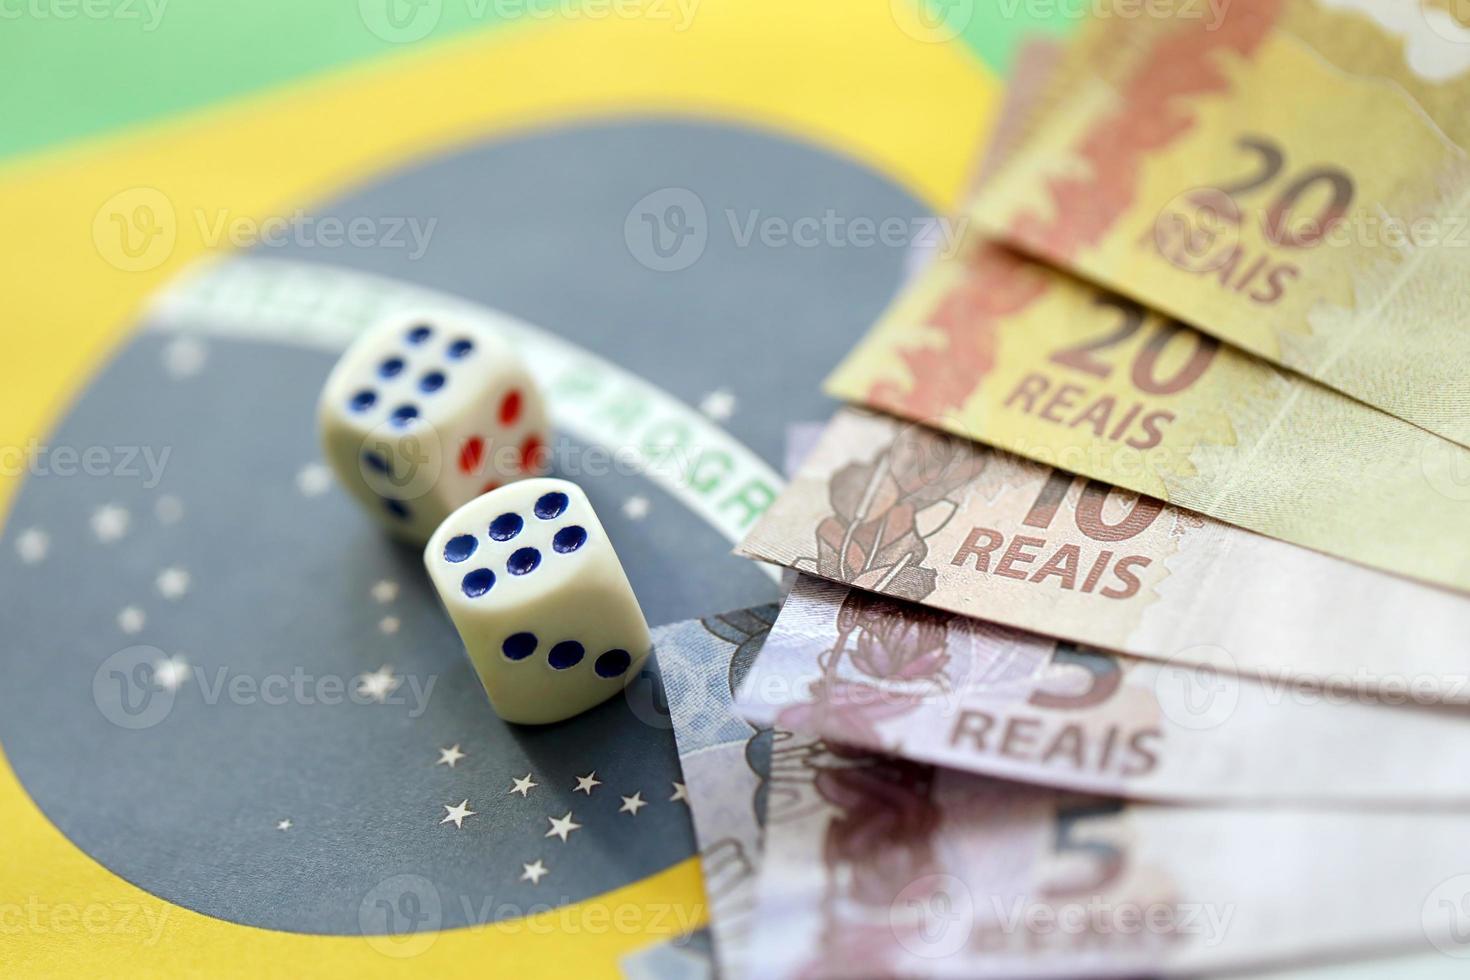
(1007, 351)
(1287, 175)
(1031, 91)
(887, 867)
(909, 512)
(798, 778)
(1034, 88)
(890, 676)
(725, 760)
(997, 348)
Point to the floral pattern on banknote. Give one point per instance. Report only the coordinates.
(896, 659)
(890, 664)
(880, 828)
(884, 512)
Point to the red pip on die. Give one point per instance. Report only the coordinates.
(426, 411)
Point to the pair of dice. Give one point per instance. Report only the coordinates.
(434, 425)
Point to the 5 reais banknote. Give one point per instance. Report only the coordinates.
(890, 676)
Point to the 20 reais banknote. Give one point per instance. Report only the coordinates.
(1290, 176)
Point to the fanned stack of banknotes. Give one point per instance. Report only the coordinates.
(1130, 625)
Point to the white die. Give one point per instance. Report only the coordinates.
(540, 599)
(426, 411)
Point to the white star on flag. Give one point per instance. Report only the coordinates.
(636, 508)
(632, 804)
(585, 784)
(379, 684)
(532, 872)
(562, 827)
(173, 583)
(448, 757)
(680, 793)
(109, 523)
(170, 674)
(184, 357)
(169, 509)
(718, 405)
(388, 625)
(32, 544)
(524, 785)
(457, 813)
(385, 591)
(131, 620)
(284, 824)
(313, 480)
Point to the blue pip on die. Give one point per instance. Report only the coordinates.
(425, 411)
(538, 595)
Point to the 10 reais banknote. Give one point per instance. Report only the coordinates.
(902, 510)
